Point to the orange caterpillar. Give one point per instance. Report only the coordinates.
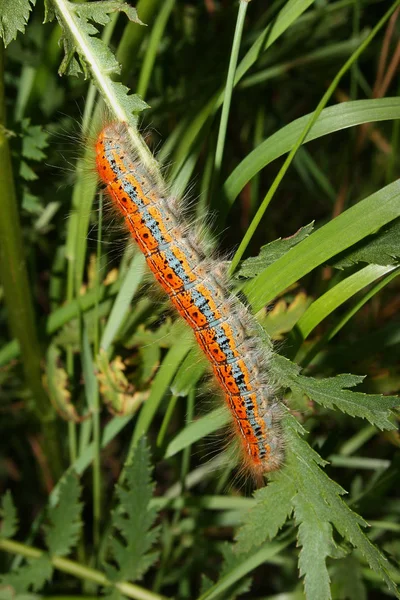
(221, 324)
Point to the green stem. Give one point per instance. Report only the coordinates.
(80, 571)
(96, 403)
(17, 292)
(103, 81)
(154, 42)
(72, 442)
(166, 421)
(230, 82)
(324, 100)
(133, 36)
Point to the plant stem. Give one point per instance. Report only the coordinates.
(154, 42)
(103, 81)
(82, 572)
(17, 292)
(230, 82)
(133, 36)
(95, 399)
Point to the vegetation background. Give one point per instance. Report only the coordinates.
(92, 360)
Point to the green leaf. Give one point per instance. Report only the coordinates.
(271, 252)
(331, 392)
(133, 520)
(383, 248)
(100, 11)
(65, 517)
(84, 53)
(26, 172)
(197, 430)
(32, 575)
(347, 579)
(243, 567)
(123, 300)
(8, 513)
(13, 18)
(340, 293)
(318, 507)
(230, 562)
(34, 141)
(347, 229)
(163, 378)
(331, 119)
(315, 537)
(284, 315)
(189, 373)
(274, 504)
(286, 17)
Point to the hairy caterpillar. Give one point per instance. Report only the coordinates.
(197, 288)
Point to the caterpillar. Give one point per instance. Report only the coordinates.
(196, 285)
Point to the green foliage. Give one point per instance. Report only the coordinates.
(317, 506)
(13, 18)
(109, 340)
(271, 252)
(347, 579)
(383, 248)
(331, 392)
(31, 576)
(133, 520)
(8, 513)
(230, 562)
(85, 53)
(65, 517)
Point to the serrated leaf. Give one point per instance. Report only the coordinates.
(317, 497)
(26, 172)
(331, 392)
(263, 521)
(133, 519)
(92, 53)
(383, 248)
(271, 252)
(100, 11)
(65, 517)
(109, 63)
(34, 140)
(31, 203)
(315, 537)
(32, 575)
(131, 102)
(13, 18)
(8, 513)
